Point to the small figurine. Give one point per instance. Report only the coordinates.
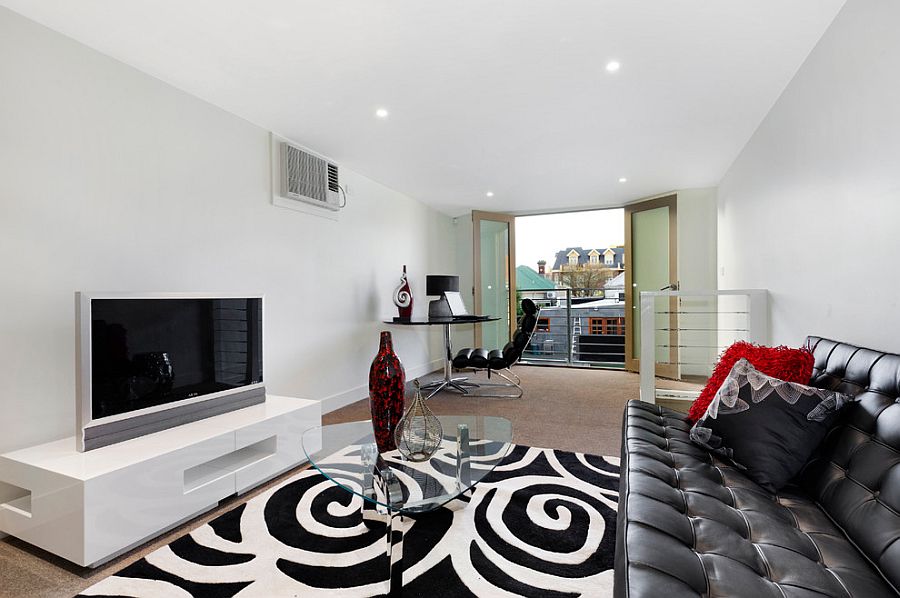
(403, 297)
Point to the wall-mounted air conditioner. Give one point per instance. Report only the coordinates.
(308, 178)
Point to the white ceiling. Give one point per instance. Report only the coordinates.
(501, 95)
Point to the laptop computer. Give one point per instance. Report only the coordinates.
(458, 307)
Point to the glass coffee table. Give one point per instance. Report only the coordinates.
(393, 488)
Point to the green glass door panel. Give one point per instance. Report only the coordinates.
(650, 267)
(494, 259)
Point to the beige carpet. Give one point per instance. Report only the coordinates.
(564, 408)
(571, 409)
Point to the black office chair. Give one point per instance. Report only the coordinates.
(499, 361)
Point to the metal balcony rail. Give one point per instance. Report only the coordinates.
(578, 327)
(682, 333)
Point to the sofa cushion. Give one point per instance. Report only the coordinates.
(784, 363)
(767, 427)
(692, 525)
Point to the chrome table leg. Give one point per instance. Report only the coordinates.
(463, 467)
(390, 494)
(396, 528)
(460, 384)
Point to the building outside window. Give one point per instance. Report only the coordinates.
(607, 325)
(615, 325)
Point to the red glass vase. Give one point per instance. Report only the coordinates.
(387, 381)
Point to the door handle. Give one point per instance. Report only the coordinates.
(671, 287)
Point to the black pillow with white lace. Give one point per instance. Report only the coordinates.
(766, 426)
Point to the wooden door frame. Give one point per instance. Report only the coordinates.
(671, 201)
(477, 217)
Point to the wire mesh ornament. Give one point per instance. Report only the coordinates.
(419, 433)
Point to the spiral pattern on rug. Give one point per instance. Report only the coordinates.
(541, 524)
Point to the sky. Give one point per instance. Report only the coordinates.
(540, 237)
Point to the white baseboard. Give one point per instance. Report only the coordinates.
(341, 399)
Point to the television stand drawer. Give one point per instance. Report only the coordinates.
(90, 507)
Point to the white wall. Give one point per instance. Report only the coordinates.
(697, 272)
(111, 180)
(811, 206)
(697, 239)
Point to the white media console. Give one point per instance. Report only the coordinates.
(90, 507)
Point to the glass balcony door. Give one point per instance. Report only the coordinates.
(495, 281)
(651, 264)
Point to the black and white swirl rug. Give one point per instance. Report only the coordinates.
(541, 524)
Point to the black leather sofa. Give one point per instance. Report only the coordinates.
(691, 525)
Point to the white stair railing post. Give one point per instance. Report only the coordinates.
(648, 349)
(758, 318)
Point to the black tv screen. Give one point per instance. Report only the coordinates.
(149, 352)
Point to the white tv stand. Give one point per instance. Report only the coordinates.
(90, 507)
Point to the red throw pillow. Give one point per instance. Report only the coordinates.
(784, 363)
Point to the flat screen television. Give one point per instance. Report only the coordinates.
(146, 362)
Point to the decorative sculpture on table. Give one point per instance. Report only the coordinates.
(387, 381)
(403, 298)
(419, 433)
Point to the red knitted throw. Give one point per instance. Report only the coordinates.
(784, 363)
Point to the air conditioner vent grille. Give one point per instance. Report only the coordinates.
(333, 178)
(309, 178)
(306, 174)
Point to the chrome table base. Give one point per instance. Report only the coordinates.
(460, 384)
(384, 505)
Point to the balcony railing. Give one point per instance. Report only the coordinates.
(683, 332)
(577, 327)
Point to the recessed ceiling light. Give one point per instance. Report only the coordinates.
(382, 113)
(623, 180)
(490, 194)
(612, 66)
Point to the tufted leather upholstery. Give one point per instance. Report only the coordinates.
(693, 525)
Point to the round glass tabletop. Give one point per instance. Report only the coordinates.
(471, 448)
